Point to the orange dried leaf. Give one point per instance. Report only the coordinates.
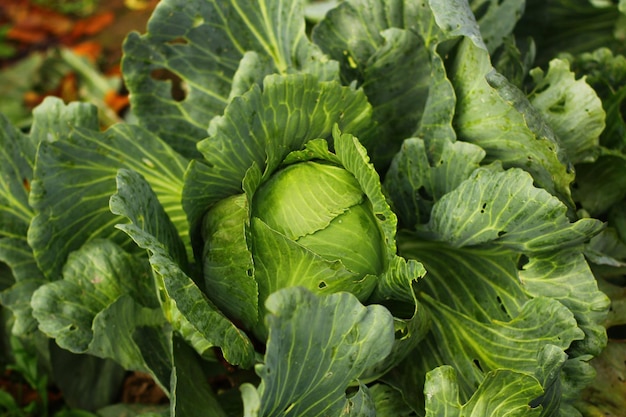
(25, 16)
(68, 89)
(117, 102)
(26, 35)
(32, 99)
(89, 49)
(93, 24)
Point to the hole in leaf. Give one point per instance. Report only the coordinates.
(522, 261)
(617, 332)
(321, 285)
(559, 106)
(381, 217)
(482, 209)
(400, 333)
(501, 304)
(536, 402)
(477, 364)
(249, 272)
(501, 233)
(162, 74)
(423, 194)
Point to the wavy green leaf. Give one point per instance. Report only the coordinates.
(571, 108)
(377, 43)
(504, 207)
(496, 116)
(17, 160)
(481, 281)
(136, 201)
(455, 19)
(484, 347)
(75, 176)
(503, 393)
(176, 44)
(54, 120)
(566, 276)
(96, 291)
(436, 121)
(317, 346)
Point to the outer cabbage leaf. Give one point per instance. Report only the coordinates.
(307, 369)
(571, 108)
(375, 46)
(565, 276)
(185, 305)
(360, 404)
(503, 207)
(358, 34)
(54, 120)
(495, 115)
(606, 73)
(19, 257)
(191, 394)
(495, 286)
(503, 393)
(75, 176)
(101, 285)
(177, 42)
(17, 155)
(17, 159)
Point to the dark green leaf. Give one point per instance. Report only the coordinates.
(75, 176)
(96, 306)
(191, 394)
(176, 46)
(496, 116)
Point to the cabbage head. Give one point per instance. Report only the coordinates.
(296, 203)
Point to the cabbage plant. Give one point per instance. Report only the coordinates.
(386, 211)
